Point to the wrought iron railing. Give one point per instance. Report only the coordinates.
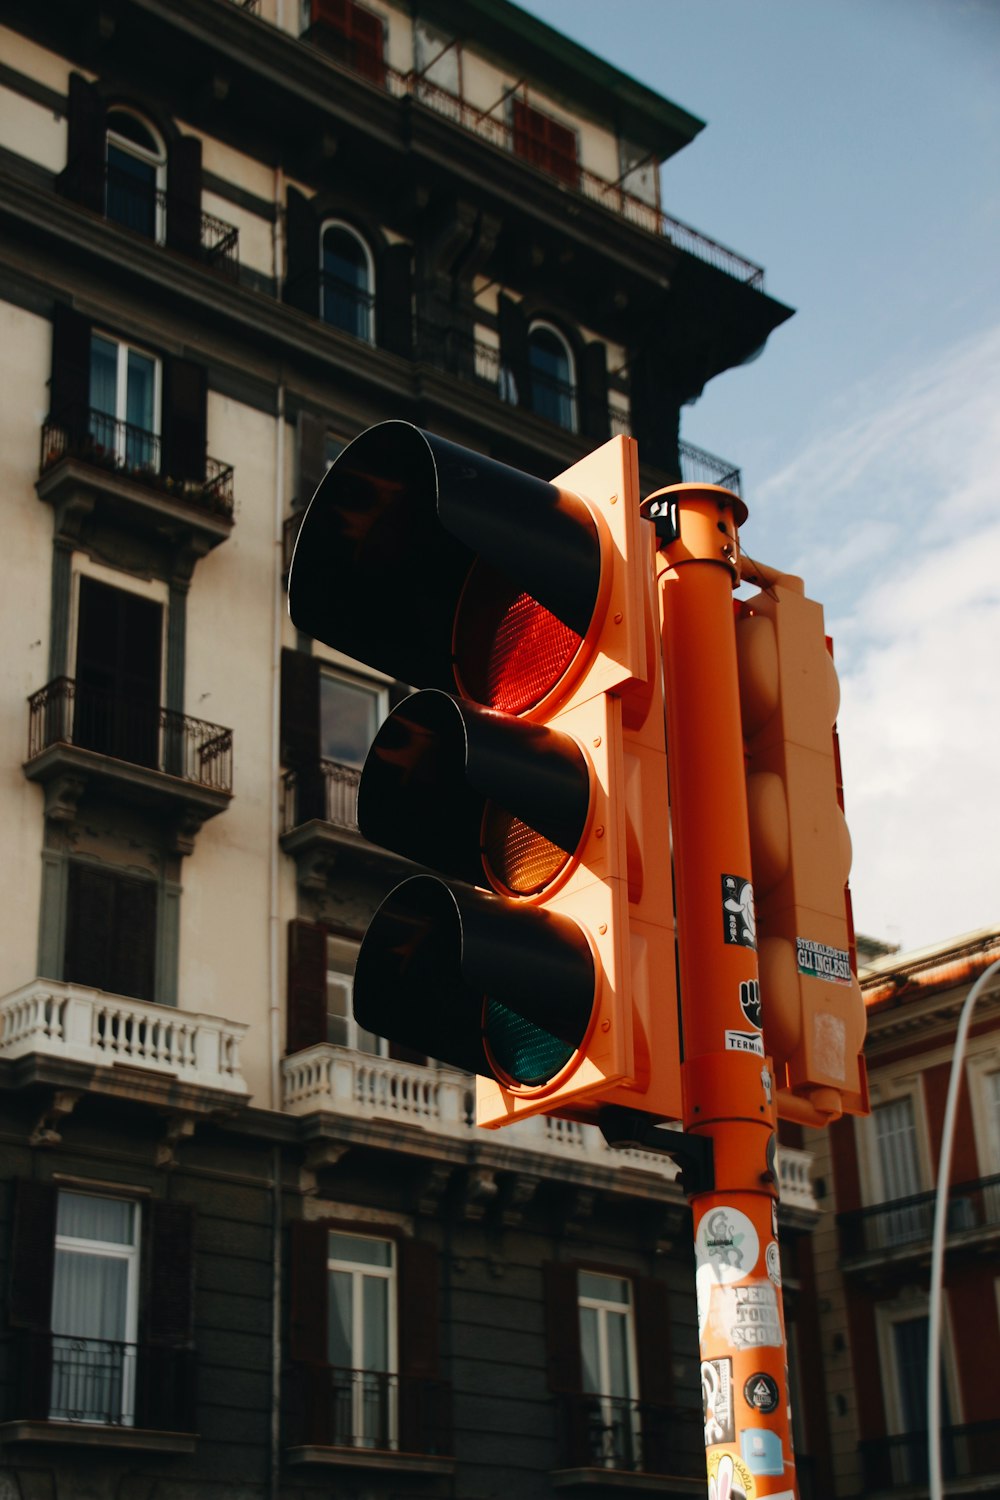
(104, 442)
(610, 1432)
(69, 712)
(968, 1452)
(327, 791)
(158, 214)
(338, 303)
(910, 1221)
(700, 467)
(372, 1409)
(63, 1378)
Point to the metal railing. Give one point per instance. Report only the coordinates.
(700, 467)
(328, 791)
(372, 1409)
(610, 1432)
(967, 1452)
(64, 1378)
(69, 712)
(104, 442)
(157, 214)
(909, 1221)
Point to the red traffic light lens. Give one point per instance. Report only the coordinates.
(510, 651)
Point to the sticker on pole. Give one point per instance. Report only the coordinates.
(819, 961)
(748, 1317)
(727, 1244)
(717, 1401)
(761, 1392)
(739, 922)
(745, 1041)
(729, 1479)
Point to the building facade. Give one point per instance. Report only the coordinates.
(247, 1248)
(873, 1255)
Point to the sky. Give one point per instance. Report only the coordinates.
(852, 148)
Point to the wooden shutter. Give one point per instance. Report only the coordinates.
(562, 1328)
(299, 709)
(514, 357)
(83, 179)
(184, 195)
(652, 1338)
(133, 954)
(170, 1274)
(305, 1023)
(311, 1403)
(593, 392)
(185, 419)
(69, 386)
(32, 1264)
(545, 143)
(312, 455)
(301, 287)
(394, 310)
(110, 931)
(424, 1407)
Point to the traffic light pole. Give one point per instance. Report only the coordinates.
(727, 1081)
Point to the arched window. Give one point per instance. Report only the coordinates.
(347, 281)
(553, 376)
(136, 175)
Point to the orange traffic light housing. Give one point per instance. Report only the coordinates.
(812, 1010)
(528, 773)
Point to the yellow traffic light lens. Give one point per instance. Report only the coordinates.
(510, 651)
(518, 859)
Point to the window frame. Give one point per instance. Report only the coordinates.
(123, 348)
(359, 1272)
(157, 160)
(571, 395)
(345, 977)
(377, 691)
(366, 306)
(625, 1311)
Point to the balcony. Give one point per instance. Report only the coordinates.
(319, 820)
(326, 1079)
(79, 736)
(72, 1024)
(970, 1453)
(159, 215)
(95, 468)
(901, 1230)
(369, 1419)
(626, 1437)
(101, 1393)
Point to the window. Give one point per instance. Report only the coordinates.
(341, 1027)
(348, 32)
(607, 1348)
(898, 1165)
(91, 1345)
(328, 721)
(553, 384)
(361, 1340)
(540, 139)
(364, 1341)
(125, 403)
(347, 282)
(118, 663)
(95, 1293)
(904, 1344)
(111, 922)
(136, 175)
(349, 715)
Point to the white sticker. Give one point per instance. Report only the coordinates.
(726, 1242)
(748, 1315)
(772, 1259)
(745, 1041)
(830, 1045)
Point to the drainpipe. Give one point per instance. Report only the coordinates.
(274, 927)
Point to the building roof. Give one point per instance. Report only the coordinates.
(584, 80)
(898, 977)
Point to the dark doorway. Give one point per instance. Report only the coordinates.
(118, 673)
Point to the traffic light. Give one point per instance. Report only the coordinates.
(811, 1008)
(527, 775)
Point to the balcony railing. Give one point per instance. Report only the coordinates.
(369, 1409)
(103, 442)
(157, 214)
(90, 1026)
(909, 1222)
(67, 712)
(609, 1432)
(62, 1378)
(701, 467)
(968, 1452)
(328, 791)
(338, 303)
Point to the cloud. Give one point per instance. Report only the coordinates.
(904, 496)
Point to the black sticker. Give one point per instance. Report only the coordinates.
(761, 1392)
(739, 922)
(750, 1001)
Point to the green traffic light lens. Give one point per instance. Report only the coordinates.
(521, 1050)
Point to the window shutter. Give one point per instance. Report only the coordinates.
(90, 916)
(170, 1275)
(593, 392)
(133, 964)
(513, 327)
(312, 455)
(544, 142)
(367, 42)
(424, 1404)
(308, 1283)
(394, 301)
(562, 1328)
(184, 195)
(652, 1338)
(299, 709)
(69, 386)
(83, 179)
(301, 288)
(305, 1024)
(185, 419)
(32, 1263)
